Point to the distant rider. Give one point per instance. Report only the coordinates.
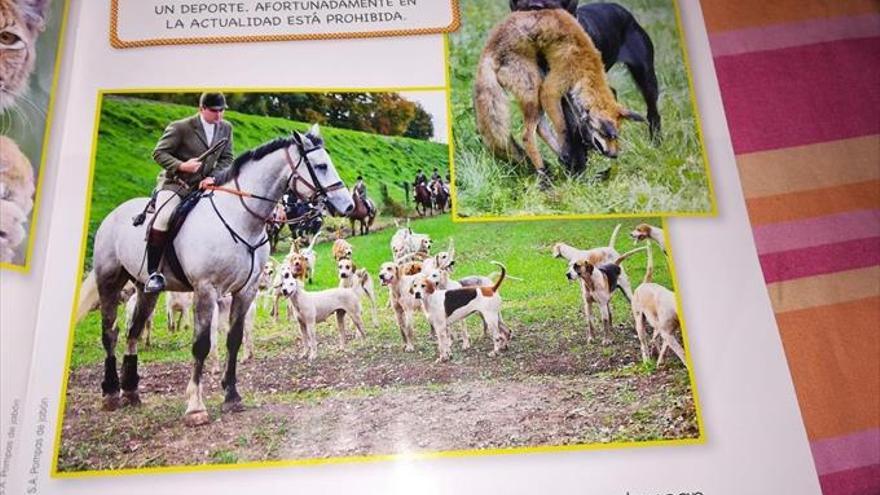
(360, 189)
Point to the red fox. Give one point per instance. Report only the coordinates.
(512, 61)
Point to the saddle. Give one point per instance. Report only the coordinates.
(178, 216)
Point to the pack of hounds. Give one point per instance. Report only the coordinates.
(420, 282)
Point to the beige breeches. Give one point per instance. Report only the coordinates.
(166, 202)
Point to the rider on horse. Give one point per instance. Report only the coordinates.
(437, 183)
(178, 152)
(420, 179)
(360, 190)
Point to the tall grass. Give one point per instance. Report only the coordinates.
(666, 178)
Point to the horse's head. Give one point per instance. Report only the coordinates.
(322, 175)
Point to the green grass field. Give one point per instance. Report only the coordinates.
(549, 388)
(669, 178)
(129, 129)
(544, 297)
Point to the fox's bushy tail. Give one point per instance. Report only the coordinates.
(492, 110)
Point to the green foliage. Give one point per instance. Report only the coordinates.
(380, 113)
(669, 177)
(130, 128)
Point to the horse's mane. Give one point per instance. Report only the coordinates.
(266, 148)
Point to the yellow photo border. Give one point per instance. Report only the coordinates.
(44, 151)
(117, 42)
(712, 212)
(700, 439)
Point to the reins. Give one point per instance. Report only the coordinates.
(319, 193)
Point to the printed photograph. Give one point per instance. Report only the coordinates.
(30, 32)
(568, 109)
(275, 279)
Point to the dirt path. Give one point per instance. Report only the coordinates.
(373, 399)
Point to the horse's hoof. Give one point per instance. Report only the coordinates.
(196, 418)
(409, 348)
(465, 347)
(111, 402)
(131, 399)
(493, 354)
(232, 406)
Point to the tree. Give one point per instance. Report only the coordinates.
(421, 126)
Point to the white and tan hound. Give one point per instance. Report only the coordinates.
(445, 307)
(359, 279)
(599, 282)
(644, 231)
(655, 306)
(316, 307)
(399, 279)
(178, 309)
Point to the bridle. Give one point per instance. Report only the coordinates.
(319, 193)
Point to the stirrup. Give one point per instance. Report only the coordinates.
(156, 283)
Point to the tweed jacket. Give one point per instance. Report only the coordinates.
(185, 139)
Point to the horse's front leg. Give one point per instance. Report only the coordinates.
(241, 303)
(205, 301)
(143, 310)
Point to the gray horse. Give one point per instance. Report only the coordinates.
(221, 247)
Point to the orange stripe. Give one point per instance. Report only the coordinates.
(833, 355)
(814, 203)
(832, 288)
(724, 15)
(828, 164)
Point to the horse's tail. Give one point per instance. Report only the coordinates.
(501, 278)
(613, 240)
(88, 296)
(493, 113)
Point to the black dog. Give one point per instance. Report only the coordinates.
(619, 38)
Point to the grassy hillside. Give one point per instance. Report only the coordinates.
(130, 128)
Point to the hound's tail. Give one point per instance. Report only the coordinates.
(501, 278)
(493, 113)
(649, 271)
(363, 278)
(314, 241)
(613, 240)
(627, 255)
(88, 296)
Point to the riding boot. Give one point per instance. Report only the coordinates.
(155, 248)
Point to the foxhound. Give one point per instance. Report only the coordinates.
(445, 307)
(342, 249)
(599, 282)
(399, 280)
(650, 233)
(655, 306)
(359, 279)
(316, 307)
(178, 305)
